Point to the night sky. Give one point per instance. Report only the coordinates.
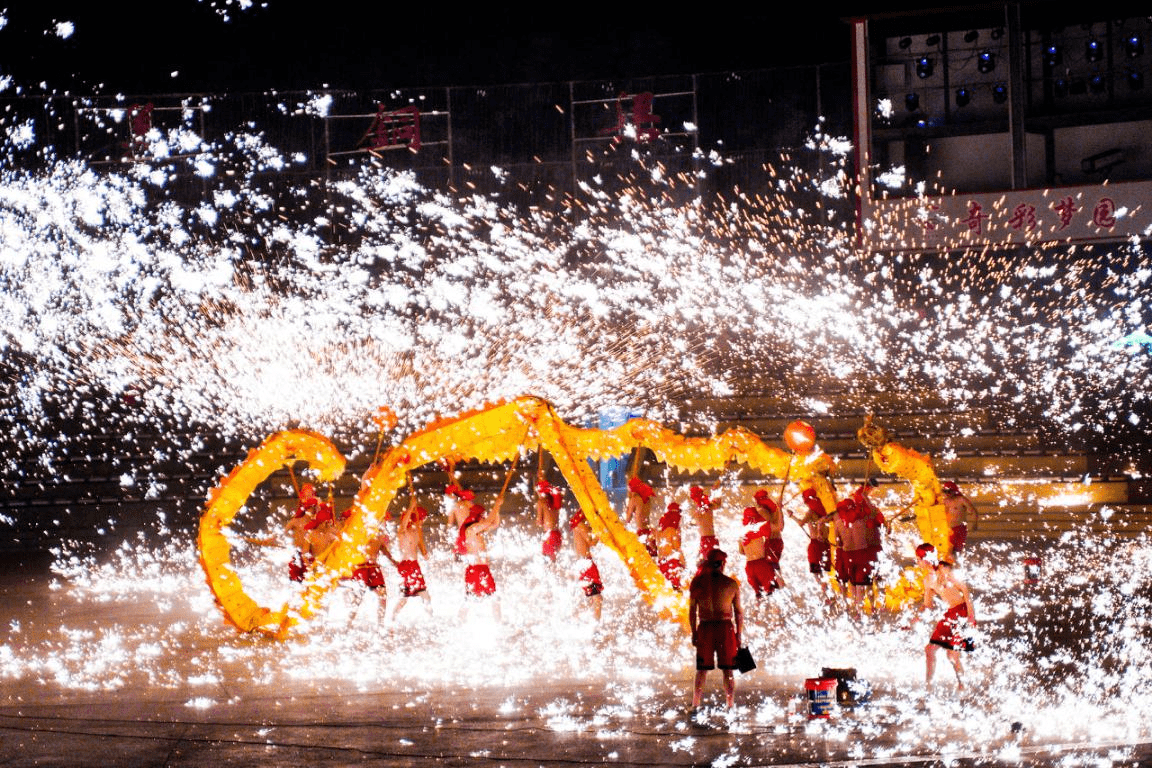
(134, 46)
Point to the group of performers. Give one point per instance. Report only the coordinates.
(855, 525)
(315, 528)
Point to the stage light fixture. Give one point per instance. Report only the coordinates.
(1135, 80)
(924, 67)
(986, 62)
(972, 36)
(1097, 84)
(963, 97)
(912, 102)
(1053, 56)
(999, 93)
(1134, 46)
(932, 40)
(905, 43)
(1060, 87)
(1093, 51)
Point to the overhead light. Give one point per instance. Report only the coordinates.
(999, 93)
(912, 102)
(963, 97)
(1097, 84)
(986, 62)
(1134, 45)
(972, 36)
(924, 67)
(1053, 56)
(1093, 51)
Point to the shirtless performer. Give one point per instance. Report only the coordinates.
(717, 623)
(589, 575)
(959, 510)
(760, 569)
(549, 499)
(815, 524)
(322, 531)
(297, 529)
(410, 543)
(478, 580)
(368, 571)
(772, 512)
(703, 516)
(940, 581)
(457, 500)
(639, 510)
(669, 557)
(852, 569)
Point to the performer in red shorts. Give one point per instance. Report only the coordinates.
(410, 542)
(549, 499)
(478, 579)
(716, 619)
(639, 511)
(589, 577)
(669, 557)
(704, 518)
(367, 572)
(940, 581)
(960, 511)
(297, 529)
(760, 569)
(457, 501)
(815, 524)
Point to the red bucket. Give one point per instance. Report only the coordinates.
(1032, 569)
(821, 695)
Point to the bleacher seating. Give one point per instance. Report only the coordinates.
(1023, 485)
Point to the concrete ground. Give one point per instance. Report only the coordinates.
(314, 723)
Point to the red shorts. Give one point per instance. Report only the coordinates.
(948, 633)
(369, 574)
(761, 575)
(298, 566)
(478, 580)
(958, 537)
(716, 645)
(819, 556)
(645, 536)
(551, 546)
(857, 567)
(413, 577)
(590, 579)
(673, 570)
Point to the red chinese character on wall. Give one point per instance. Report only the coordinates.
(642, 117)
(1024, 217)
(1104, 215)
(395, 128)
(930, 215)
(976, 217)
(139, 124)
(1065, 209)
